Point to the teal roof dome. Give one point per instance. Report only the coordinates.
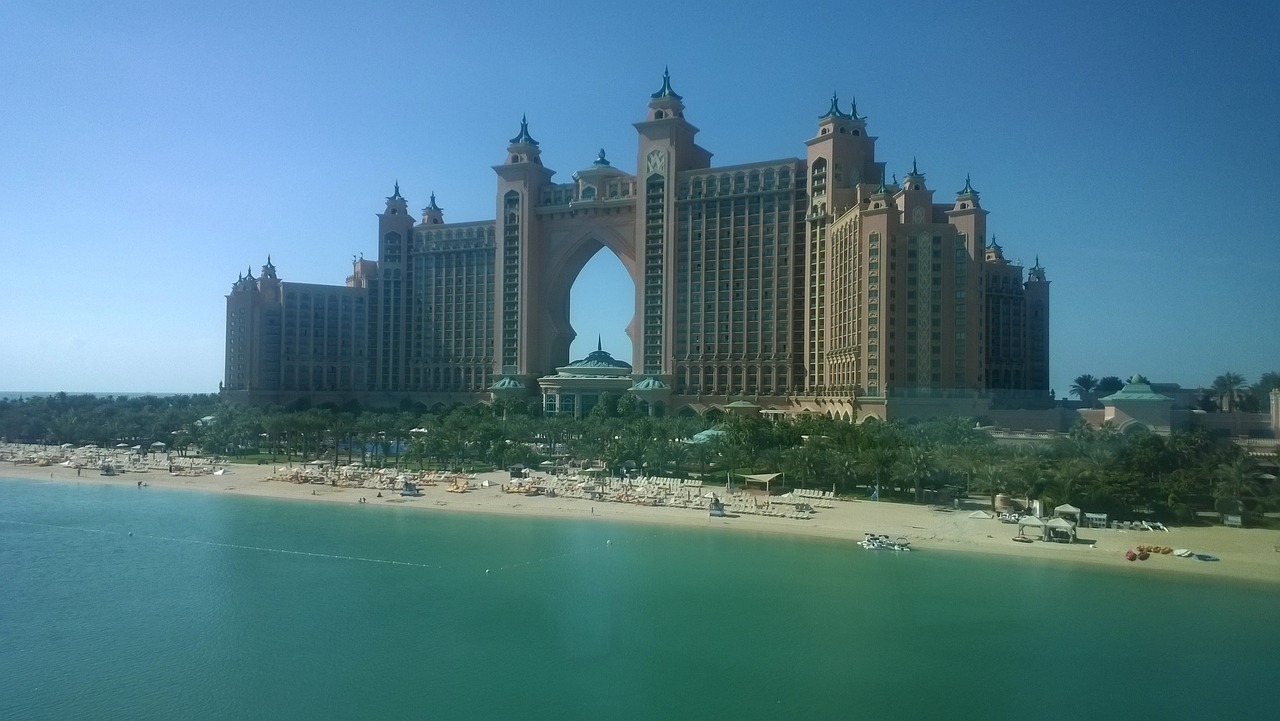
(651, 384)
(599, 359)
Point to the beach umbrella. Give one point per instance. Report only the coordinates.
(122, 445)
(157, 444)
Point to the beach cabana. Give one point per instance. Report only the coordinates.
(1031, 522)
(1066, 510)
(1060, 529)
(765, 478)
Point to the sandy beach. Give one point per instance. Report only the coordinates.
(1245, 554)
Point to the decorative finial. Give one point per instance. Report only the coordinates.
(600, 159)
(599, 343)
(914, 169)
(432, 205)
(968, 187)
(665, 91)
(853, 109)
(268, 259)
(834, 110)
(895, 178)
(524, 136)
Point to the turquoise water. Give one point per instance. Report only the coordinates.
(213, 609)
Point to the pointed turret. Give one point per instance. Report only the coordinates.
(523, 137)
(834, 111)
(993, 253)
(1036, 273)
(915, 177)
(601, 160)
(665, 91)
(666, 103)
(433, 214)
(523, 148)
(396, 204)
(966, 198)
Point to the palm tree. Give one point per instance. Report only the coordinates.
(1108, 385)
(1229, 388)
(992, 480)
(1270, 381)
(918, 469)
(1238, 481)
(1083, 388)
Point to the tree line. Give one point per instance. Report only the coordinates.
(1100, 470)
(1229, 392)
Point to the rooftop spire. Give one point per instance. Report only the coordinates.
(524, 136)
(665, 91)
(395, 195)
(853, 109)
(834, 111)
(600, 159)
(599, 342)
(968, 188)
(914, 170)
(432, 205)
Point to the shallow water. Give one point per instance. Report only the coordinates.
(224, 607)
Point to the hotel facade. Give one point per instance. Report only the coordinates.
(807, 284)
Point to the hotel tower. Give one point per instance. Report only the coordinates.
(808, 284)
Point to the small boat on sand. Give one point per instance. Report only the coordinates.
(1182, 552)
(1206, 557)
(880, 542)
(1129, 555)
(1023, 539)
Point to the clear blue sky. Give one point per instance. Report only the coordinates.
(150, 152)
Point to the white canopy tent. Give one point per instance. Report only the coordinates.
(1060, 528)
(1067, 509)
(765, 478)
(1031, 522)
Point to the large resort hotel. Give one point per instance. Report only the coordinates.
(809, 284)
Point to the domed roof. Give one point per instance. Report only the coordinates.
(650, 384)
(507, 383)
(599, 358)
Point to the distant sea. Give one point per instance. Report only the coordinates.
(118, 602)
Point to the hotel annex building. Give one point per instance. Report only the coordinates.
(810, 284)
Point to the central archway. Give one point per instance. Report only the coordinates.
(562, 262)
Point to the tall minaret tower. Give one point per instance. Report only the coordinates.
(1037, 290)
(970, 222)
(388, 295)
(666, 147)
(840, 157)
(521, 177)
